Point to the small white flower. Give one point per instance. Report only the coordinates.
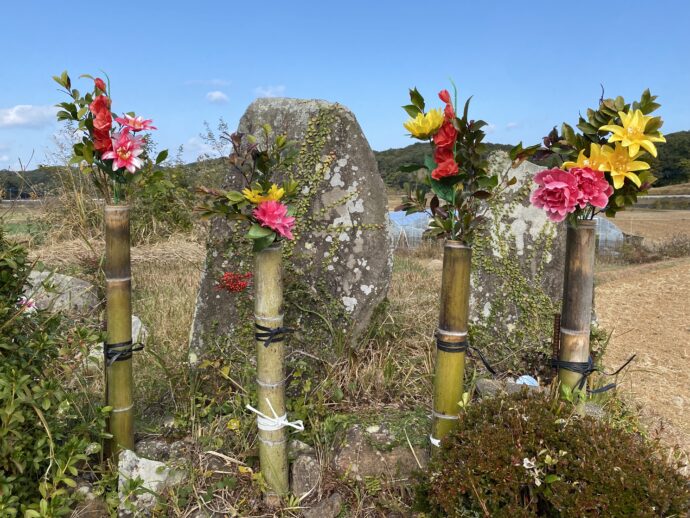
(26, 305)
(528, 463)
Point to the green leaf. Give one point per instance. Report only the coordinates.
(161, 156)
(412, 110)
(429, 163)
(417, 99)
(260, 244)
(235, 196)
(550, 479)
(443, 190)
(256, 231)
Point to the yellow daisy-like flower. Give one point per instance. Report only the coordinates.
(595, 160)
(424, 125)
(621, 165)
(255, 196)
(632, 134)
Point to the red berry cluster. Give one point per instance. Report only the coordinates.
(234, 282)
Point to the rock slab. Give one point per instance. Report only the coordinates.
(338, 268)
(374, 452)
(517, 269)
(155, 477)
(58, 292)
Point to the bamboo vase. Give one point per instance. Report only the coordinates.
(118, 373)
(451, 338)
(578, 290)
(268, 312)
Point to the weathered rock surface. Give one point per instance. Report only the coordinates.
(517, 279)
(339, 266)
(306, 473)
(59, 292)
(328, 508)
(156, 477)
(489, 387)
(375, 452)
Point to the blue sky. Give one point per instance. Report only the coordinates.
(529, 65)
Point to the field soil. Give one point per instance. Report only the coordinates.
(647, 309)
(654, 225)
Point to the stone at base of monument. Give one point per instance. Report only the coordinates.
(327, 508)
(338, 267)
(375, 451)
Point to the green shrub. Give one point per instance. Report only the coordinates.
(527, 456)
(44, 435)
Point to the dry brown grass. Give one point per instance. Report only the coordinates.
(647, 307)
(680, 188)
(654, 225)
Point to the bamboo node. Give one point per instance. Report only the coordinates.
(573, 332)
(124, 409)
(434, 413)
(265, 384)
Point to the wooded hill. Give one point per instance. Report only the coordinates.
(671, 167)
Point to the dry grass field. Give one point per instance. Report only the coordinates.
(680, 188)
(654, 225)
(647, 310)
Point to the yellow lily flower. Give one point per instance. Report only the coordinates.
(632, 134)
(424, 125)
(595, 160)
(255, 196)
(621, 165)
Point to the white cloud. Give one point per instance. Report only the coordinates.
(195, 148)
(216, 97)
(269, 91)
(512, 125)
(217, 83)
(26, 116)
(4, 158)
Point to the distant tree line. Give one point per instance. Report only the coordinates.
(672, 166)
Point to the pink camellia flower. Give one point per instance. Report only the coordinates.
(100, 84)
(136, 123)
(593, 187)
(557, 194)
(125, 152)
(273, 215)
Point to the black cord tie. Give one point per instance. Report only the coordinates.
(121, 351)
(269, 335)
(463, 347)
(586, 369)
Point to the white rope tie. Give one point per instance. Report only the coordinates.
(275, 423)
(434, 441)
(434, 413)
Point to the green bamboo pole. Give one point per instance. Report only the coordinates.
(452, 330)
(268, 312)
(578, 290)
(118, 375)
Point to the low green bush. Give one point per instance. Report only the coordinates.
(45, 437)
(528, 456)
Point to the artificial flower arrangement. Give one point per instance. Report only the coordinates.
(604, 168)
(457, 173)
(262, 203)
(114, 153)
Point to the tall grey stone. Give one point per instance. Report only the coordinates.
(517, 264)
(338, 268)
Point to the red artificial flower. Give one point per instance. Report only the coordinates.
(449, 112)
(102, 123)
(233, 282)
(100, 84)
(446, 135)
(444, 96)
(441, 154)
(444, 169)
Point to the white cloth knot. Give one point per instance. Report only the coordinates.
(272, 424)
(434, 441)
